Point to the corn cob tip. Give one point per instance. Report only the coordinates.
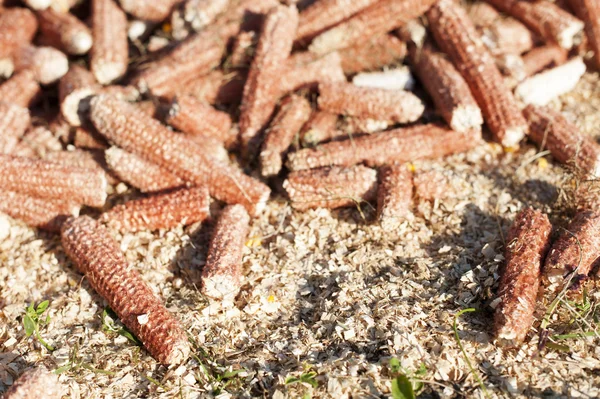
(38, 4)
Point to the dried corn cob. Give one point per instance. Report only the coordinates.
(394, 195)
(64, 31)
(138, 30)
(77, 85)
(541, 57)
(17, 27)
(351, 125)
(508, 35)
(47, 63)
(215, 87)
(413, 32)
(511, 66)
(381, 17)
(309, 75)
(542, 88)
(97, 255)
(14, 120)
(381, 104)
(372, 54)
(139, 173)
(398, 145)
(528, 242)
(261, 91)
(589, 12)
(110, 54)
(154, 11)
(198, 14)
(450, 93)
(293, 112)
(125, 93)
(21, 89)
(49, 180)
(398, 78)
(146, 137)
(483, 15)
(41, 141)
(38, 4)
(458, 38)
(37, 212)
(431, 185)
(551, 130)
(87, 137)
(241, 53)
(333, 187)
(34, 384)
(222, 273)
(93, 160)
(64, 5)
(322, 126)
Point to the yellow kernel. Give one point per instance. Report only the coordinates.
(509, 150)
(411, 167)
(167, 28)
(254, 242)
(542, 163)
(271, 299)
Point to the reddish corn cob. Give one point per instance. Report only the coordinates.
(77, 85)
(197, 118)
(451, 95)
(333, 187)
(35, 384)
(125, 93)
(47, 63)
(294, 111)
(541, 57)
(222, 273)
(147, 107)
(93, 160)
(394, 195)
(215, 87)
(483, 15)
(14, 120)
(139, 173)
(154, 11)
(110, 54)
(350, 126)
(576, 250)
(49, 180)
(37, 212)
(457, 37)
(381, 17)
(261, 91)
(64, 5)
(398, 145)
(146, 137)
(97, 255)
(527, 244)
(324, 69)
(21, 89)
(17, 27)
(241, 53)
(162, 211)
(372, 54)
(432, 185)
(322, 126)
(381, 104)
(589, 12)
(87, 137)
(41, 141)
(550, 129)
(508, 36)
(64, 31)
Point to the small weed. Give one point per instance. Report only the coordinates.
(108, 325)
(32, 322)
(306, 378)
(406, 384)
(75, 363)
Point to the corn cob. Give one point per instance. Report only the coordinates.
(215, 87)
(508, 35)
(322, 126)
(75, 87)
(64, 5)
(64, 31)
(309, 75)
(261, 91)
(154, 11)
(398, 145)
(293, 112)
(372, 54)
(139, 173)
(138, 30)
(14, 120)
(41, 141)
(146, 137)
(97, 255)
(333, 187)
(541, 57)
(381, 104)
(352, 126)
(527, 244)
(125, 93)
(512, 67)
(92, 160)
(483, 15)
(38, 4)
(399, 78)
(394, 195)
(110, 54)
(37, 212)
(87, 137)
(17, 27)
(381, 17)
(412, 32)
(198, 14)
(449, 91)
(458, 38)
(242, 51)
(61, 129)
(589, 12)
(47, 63)
(48, 180)
(35, 384)
(21, 89)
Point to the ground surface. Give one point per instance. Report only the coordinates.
(327, 293)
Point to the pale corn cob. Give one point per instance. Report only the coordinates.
(6, 67)
(38, 4)
(431, 185)
(394, 196)
(125, 93)
(88, 138)
(512, 67)
(457, 37)
(333, 187)
(261, 90)
(161, 211)
(321, 126)
(222, 273)
(17, 27)
(97, 255)
(527, 244)
(139, 173)
(550, 129)
(351, 125)
(49, 180)
(92, 160)
(542, 88)
(381, 17)
(21, 89)
(450, 93)
(41, 141)
(482, 14)
(372, 54)
(507, 35)
(541, 57)
(544, 18)
(43, 213)
(243, 47)
(413, 32)
(138, 30)
(326, 13)
(64, 31)
(398, 145)
(399, 78)
(293, 112)
(147, 107)
(198, 14)
(576, 250)
(14, 120)
(194, 117)
(35, 384)
(64, 5)
(589, 12)
(109, 56)
(75, 87)
(215, 87)
(381, 104)
(146, 137)
(47, 63)
(154, 11)
(309, 75)
(21, 149)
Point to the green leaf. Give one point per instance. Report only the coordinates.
(402, 388)
(306, 396)
(309, 378)
(395, 365)
(421, 371)
(291, 380)
(231, 374)
(29, 325)
(41, 308)
(31, 309)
